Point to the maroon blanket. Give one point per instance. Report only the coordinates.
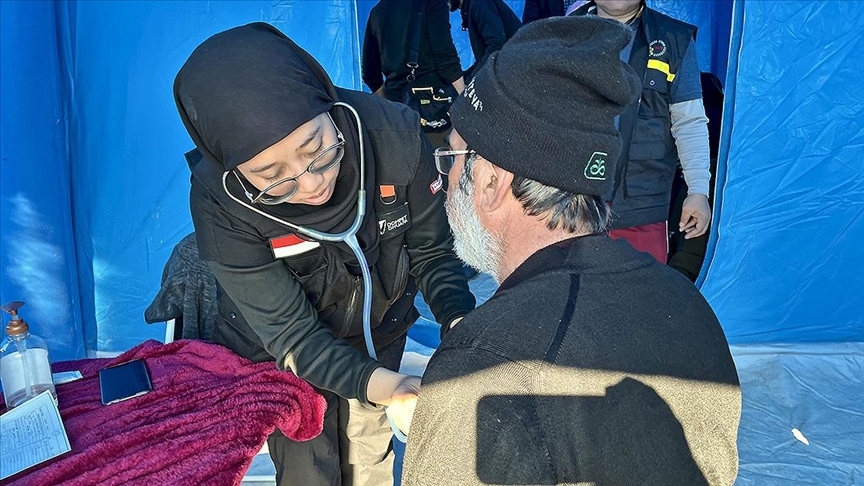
(209, 413)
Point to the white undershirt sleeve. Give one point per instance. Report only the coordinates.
(690, 131)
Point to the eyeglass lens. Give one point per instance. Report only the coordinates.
(283, 190)
(444, 162)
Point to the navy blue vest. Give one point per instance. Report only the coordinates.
(645, 172)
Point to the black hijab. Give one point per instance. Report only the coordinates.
(247, 88)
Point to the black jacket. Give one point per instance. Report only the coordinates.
(386, 49)
(490, 23)
(541, 9)
(645, 172)
(187, 294)
(591, 364)
(294, 309)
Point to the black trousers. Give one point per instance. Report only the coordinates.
(355, 447)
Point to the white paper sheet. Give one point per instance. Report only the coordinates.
(31, 433)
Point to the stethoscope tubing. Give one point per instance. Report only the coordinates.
(348, 236)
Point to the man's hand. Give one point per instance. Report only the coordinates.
(459, 85)
(695, 216)
(403, 402)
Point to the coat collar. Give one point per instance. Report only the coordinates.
(582, 255)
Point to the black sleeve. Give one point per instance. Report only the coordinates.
(531, 12)
(443, 51)
(275, 307)
(371, 60)
(490, 27)
(434, 264)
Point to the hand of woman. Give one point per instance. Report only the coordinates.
(403, 402)
(396, 391)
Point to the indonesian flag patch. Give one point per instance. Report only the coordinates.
(436, 185)
(291, 245)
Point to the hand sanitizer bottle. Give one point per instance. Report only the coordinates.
(24, 367)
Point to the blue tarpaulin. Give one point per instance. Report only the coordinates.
(94, 187)
(787, 253)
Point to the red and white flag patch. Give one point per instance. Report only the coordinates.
(291, 245)
(436, 185)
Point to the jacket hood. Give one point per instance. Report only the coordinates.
(247, 88)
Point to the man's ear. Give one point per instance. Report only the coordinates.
(493, 183)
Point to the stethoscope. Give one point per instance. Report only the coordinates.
(348, 236)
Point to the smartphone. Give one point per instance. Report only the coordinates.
(124, 381)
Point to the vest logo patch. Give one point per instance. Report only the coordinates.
(291, 245)
(596, 168)
(394, 222)
(436, 185)
(657, 48)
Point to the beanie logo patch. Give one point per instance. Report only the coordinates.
(471, 94)
(596, 168)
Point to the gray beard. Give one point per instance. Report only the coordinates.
(473, 244)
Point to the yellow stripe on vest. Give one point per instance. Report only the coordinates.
(662, 67)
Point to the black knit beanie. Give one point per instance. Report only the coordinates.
(544, 106)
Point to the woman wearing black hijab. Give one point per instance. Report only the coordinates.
(274, 142)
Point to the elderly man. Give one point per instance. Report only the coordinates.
(592, 363)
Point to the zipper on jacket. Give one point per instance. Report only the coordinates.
(624, 170)
(352, 307)
(402, 275)
(638, 108)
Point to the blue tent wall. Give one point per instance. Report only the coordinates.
(120, 199)
(87, 94)
(37, 254)
(713, 20)
(130, 182)
(787, 261)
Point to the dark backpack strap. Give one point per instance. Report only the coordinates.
(417, 15)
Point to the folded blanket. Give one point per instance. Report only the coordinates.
(209, 413)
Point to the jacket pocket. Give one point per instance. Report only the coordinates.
(353, 302)
(306, 266)
(648, 171)
(311, 271)
(657, 77)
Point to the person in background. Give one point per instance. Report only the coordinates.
(687, 255)
(666, 126)
(276, 143)
(489, 24)
(592, 363)
(386, 50)
(542, 9)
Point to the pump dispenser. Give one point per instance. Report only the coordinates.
(24, 367)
